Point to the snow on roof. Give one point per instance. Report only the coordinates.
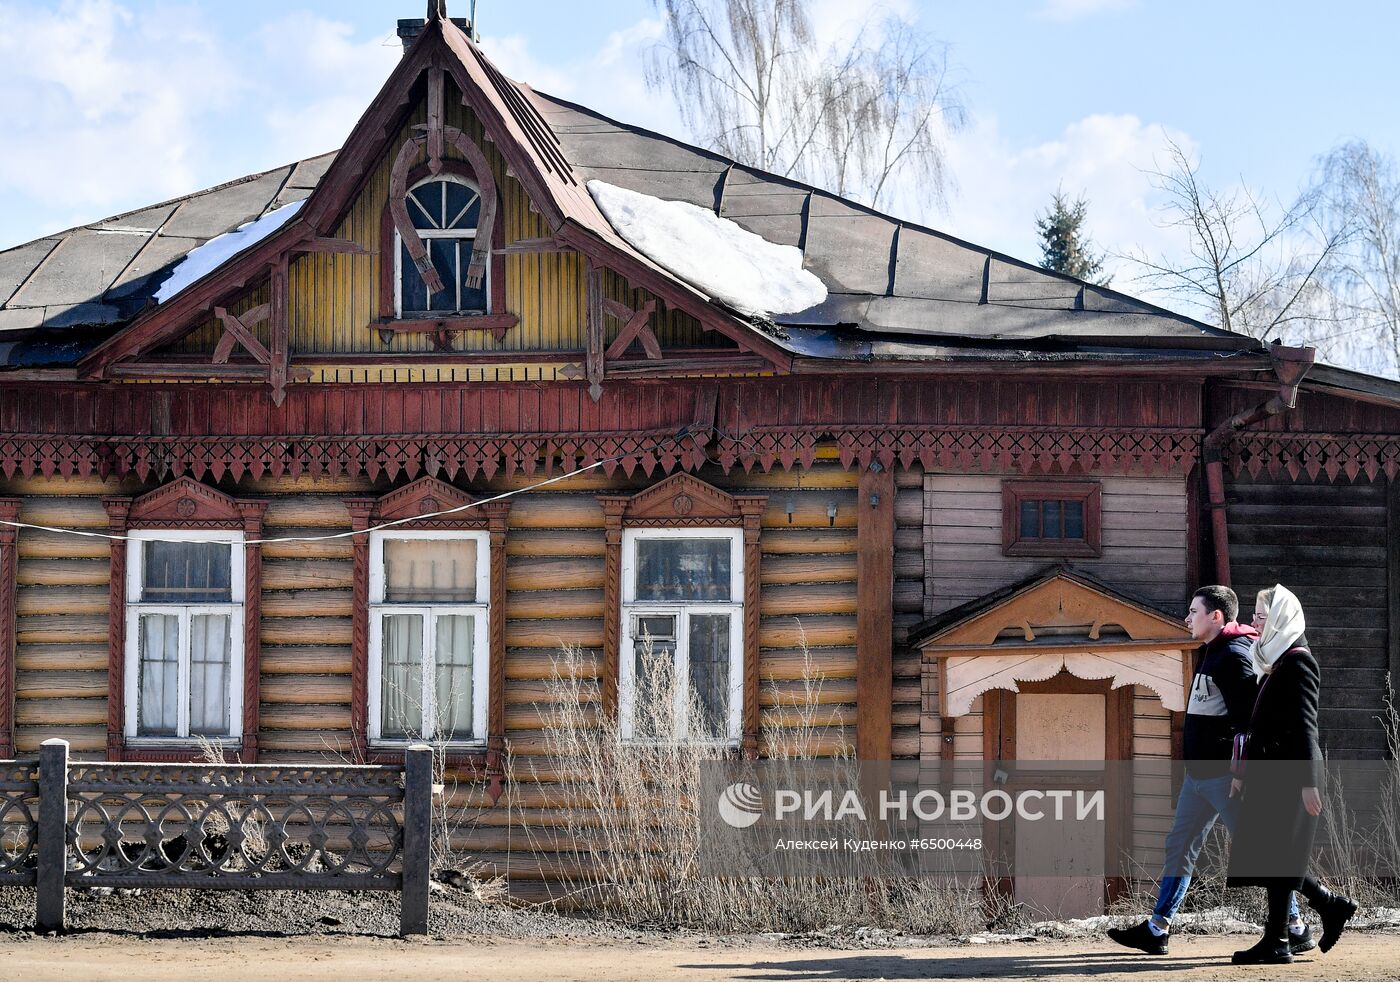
(731, 264)
(203, 260)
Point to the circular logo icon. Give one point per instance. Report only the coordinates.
(186, 507)
(740, 805)
(683, 504)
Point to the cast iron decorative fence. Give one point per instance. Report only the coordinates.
(215, 827)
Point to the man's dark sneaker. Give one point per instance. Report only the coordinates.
(1140, 936)
(1335, 914)
(1268, 951)
(1299, 943)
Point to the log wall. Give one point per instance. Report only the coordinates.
(1327, 542)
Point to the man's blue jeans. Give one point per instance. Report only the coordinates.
(1200, 802)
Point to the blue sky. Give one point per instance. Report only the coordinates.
(107, 105)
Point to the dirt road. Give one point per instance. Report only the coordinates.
(98, 957)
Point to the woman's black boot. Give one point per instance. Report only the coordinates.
(1335, 913)
(1268, 951)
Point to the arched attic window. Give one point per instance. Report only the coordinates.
(446, 212)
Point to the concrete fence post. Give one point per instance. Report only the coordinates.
(53, 835)
(417, 838)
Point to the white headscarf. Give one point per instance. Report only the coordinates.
(1283, 626)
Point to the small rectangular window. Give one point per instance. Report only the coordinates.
(1051, 518)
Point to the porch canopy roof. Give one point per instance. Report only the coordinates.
(1058, 620)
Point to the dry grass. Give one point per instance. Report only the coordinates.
(632, 827)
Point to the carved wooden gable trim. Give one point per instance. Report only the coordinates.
(423, 497)
(1059, 602)
(1031, 637)
(428, 495)
(684, 500)
(513, 123)
(184, 503)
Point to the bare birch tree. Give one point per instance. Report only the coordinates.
(1249, 268)
(752, 83)
(1358, 190)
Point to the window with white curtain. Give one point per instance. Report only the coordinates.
(429, 593)
(681, 657)
(184, 636)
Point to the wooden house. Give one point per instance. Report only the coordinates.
(955, 446)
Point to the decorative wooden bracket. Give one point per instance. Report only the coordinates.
(593, 330)
(635, 325)
(322, 244)
(239, 330)
(431, 143)
(443, 328)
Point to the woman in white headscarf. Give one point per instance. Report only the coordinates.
(1278, 770)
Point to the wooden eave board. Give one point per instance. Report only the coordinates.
(1028, 607)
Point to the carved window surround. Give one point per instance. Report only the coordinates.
(430, 143)
(1060, 623)
(182, 505)
(1087, 495)
(682, 501)
(423, 496)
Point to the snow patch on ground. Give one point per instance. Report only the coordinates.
(726, 261)
(202, 260)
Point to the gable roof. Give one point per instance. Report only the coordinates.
(898, 291)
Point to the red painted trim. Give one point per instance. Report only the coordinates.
(497, 299)
(9, 566)
(182, 504)
(684, 501)
(424, 495)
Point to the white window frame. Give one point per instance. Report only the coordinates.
(434, 233)
(631, 607)
(235, 609)
(481, 653)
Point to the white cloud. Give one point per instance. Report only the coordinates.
(1068, 10)
(319, 81)
(99, 105)
(1107, 158)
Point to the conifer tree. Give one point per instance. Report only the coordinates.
(1064, 247)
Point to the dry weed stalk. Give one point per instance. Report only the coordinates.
(628, 835)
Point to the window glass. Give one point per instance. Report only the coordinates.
(187, 573)
(211, 658)
(452, 664)
(401, 683)
(653, 673)
(683, 569)
(709, 674)
(1074, 519)
(1030, 519)
(1052, 529)
(430, 570)
(158, 698)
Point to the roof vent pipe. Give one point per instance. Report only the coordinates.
(411, 27)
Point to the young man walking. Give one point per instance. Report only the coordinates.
(1222, 698)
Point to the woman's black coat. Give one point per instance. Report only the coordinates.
(1274, 834)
